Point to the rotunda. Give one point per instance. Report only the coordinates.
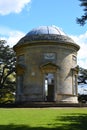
(46, 66)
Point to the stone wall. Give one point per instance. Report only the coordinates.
(33, 78)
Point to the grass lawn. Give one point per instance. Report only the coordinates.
(43, 119)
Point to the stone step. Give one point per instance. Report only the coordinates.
(41, 105)
(50, 104)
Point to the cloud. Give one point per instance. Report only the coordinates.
(14, 37)
(11, 36)
(12, 6)
(81, 40)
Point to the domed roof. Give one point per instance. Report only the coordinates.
(45, 35)
(46, 30)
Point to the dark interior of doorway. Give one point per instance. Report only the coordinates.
(49, 87)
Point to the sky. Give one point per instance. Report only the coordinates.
(18, 17)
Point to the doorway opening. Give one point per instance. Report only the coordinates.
(49, 87)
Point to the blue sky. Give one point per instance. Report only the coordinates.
(18, 17)
(61, 13)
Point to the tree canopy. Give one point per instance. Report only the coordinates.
(82, 76)
(82, 80)
(83, 19)
(7, 69)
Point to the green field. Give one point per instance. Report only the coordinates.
(43, 119)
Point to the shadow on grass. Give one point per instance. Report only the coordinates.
(22, 127)
(70, 122)
(74, 121)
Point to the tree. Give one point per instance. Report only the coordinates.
(83, 18)
(82, 77)
(82, 80)
(7, 69)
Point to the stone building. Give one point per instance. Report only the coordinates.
(46, 66)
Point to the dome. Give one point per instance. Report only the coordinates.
(46, 30)
(46, 35)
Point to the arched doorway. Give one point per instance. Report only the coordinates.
(49, 81)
